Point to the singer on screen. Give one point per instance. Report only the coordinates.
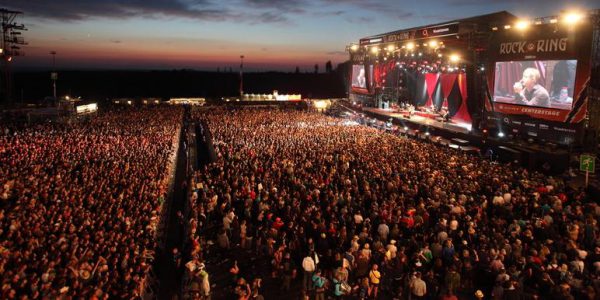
(361, 80)
(529, 92)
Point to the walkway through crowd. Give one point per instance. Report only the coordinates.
(169, 263)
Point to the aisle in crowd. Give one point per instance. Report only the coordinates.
(307, 205)
(80, 203)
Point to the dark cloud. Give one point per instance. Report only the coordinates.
(484, 2)
(69, 10)
(388, 8)
(115, 41)
(329, 13)
(403, 15)
(281, 5)
(360, 20)
(269, 17)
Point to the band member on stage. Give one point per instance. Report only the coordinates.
(445, 115)
(529, 92)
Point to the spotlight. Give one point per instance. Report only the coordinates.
(482, 69)
(494, 28)
(454, 58)
(427, 133)
(410, 46)
(500, 134)
(354, 47)
(553, 21)
(405, 128)
(375, 50)
(522, 25)
(507, 26)
(433, 44)
(572, 18)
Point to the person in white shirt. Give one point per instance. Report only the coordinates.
(309, 266)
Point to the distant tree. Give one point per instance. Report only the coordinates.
(297, 70)
(328, 67)
(316, 68)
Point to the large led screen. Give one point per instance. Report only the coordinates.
(359, 78)
(547, 83)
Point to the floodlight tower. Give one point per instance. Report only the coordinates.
(241, 77)
(10, 46)
(53, 75)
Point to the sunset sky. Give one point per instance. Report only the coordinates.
(206, 34)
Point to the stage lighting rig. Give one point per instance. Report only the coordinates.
(11, 41)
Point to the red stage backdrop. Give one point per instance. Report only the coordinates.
(431, 82)
(463, 112)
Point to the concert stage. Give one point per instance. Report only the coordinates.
(421, 119)
(429, 127)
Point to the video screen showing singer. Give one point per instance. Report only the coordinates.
(529, 92)
(361, 80)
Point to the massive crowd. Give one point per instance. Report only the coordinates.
(80, 203)
(339, 210)
(355, 212)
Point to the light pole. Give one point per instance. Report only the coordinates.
(241, 77)
(53, 75)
